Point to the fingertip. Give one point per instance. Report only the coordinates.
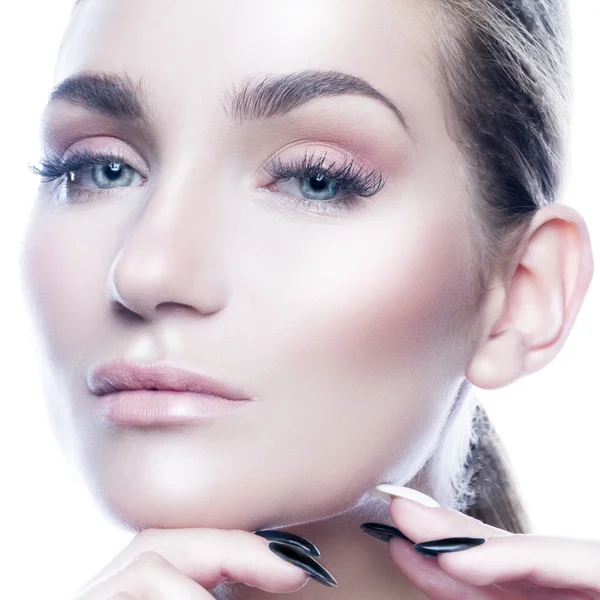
(464, 566)
(409, 562)
(407, 513)
(406, 493)
(403, 551)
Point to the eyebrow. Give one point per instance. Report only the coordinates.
(120, 97)
(277, 95)
(105, 93)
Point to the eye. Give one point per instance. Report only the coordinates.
(85, 172)
(316, 183)
(104, 176)
(318, 187)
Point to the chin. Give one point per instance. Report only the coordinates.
(135, 511)
(138, 505)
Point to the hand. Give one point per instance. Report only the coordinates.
(162, 564)
(499, 565)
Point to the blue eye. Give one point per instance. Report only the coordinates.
(108, 175)
(307, 179)
(85, 172)
(319, 187)
(330, 187)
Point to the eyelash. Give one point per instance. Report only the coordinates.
(350, 177)
(52, 168)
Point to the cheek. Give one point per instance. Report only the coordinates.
(61, 265)
(369, 341)
(346, 331)
(381, 299)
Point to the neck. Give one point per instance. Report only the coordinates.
(360, 563)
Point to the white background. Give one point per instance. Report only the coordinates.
(54, 537)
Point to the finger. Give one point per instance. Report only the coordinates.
(424, 523)
(531, 591)
(207, 556)
(554, 562)
(148, 576)
(478, 567)
(428, 577)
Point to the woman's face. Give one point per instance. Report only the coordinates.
(346, 317)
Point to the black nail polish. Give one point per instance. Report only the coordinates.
(289, 538)
(427, 553)
(455, 544)
(299, 558)
(383, 532)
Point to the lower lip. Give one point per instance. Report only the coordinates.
(163, 407)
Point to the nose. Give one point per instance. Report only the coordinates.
(169, 259)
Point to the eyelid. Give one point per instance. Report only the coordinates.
(330, 148)
(109, 147)
(334, 153)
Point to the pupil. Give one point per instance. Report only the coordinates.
(318, 182)
(319, 187)
(114, 171)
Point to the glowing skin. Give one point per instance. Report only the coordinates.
(353, 329)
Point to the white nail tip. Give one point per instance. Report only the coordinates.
(404, 492)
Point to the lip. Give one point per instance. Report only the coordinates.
(159, 394)
(123, 374)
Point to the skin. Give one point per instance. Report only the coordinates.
(353, 330)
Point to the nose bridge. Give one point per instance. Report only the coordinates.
(170, 255)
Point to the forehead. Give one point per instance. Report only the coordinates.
(200, 47)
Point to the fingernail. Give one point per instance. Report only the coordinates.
(454, 544)
(383, 532)
(300, 559)
(289, 538)
(404, 492)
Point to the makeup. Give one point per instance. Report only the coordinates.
(300, 559)
(383, 532)
(162, 407)
(133, 393)
(455, 544)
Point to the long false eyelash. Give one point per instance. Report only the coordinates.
(53, 167)
(349, 176)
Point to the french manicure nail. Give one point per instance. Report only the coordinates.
(299, 558)
(409, 493)
(454, 544)
(383, 532)
(289, 538)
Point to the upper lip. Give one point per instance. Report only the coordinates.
(123, 374)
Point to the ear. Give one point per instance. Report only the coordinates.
(528, 317)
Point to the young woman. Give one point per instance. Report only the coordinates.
(275, 246)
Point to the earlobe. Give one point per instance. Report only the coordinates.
(499, 362)
(528, 319)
